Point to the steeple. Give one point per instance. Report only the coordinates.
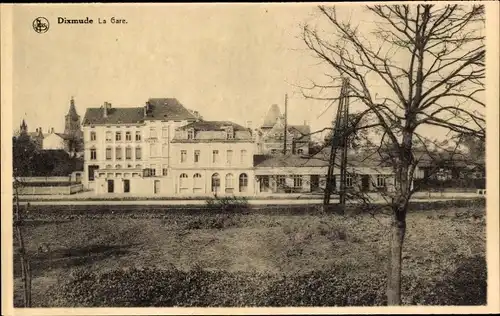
(23, 128)
(72, 110)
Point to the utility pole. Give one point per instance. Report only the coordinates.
(339, 141)
(286, 124)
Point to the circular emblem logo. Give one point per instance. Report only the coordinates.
(41, 25)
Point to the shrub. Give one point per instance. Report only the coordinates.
(336, 286)
(227, 203)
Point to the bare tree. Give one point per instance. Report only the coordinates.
(419, 65)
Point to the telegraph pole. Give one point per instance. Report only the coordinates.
(286, 124)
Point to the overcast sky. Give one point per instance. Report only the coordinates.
(229, 62)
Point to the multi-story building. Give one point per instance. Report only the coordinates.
(271, 136)
(213, 157)
(127, 150)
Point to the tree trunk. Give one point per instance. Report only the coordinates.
(398, 228)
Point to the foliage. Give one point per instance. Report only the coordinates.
(227, 203)
(334, 286)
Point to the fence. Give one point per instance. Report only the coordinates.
(50, 190)
(471, 185)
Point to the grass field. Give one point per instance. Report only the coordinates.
(436, 242)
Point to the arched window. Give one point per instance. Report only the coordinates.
(229, 183)
(215, 182)
(197, 183)
(243, 182)
(109, 167)
(183, 185)
(118, 166)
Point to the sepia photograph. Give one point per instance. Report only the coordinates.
(246, 155)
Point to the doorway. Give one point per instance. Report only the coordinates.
(365, 183)
(314, 183)
(264, 184)
(126, 186)
(111, 186)
(157, 186)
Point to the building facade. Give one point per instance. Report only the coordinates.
(272, 139)
(128, 150)
(213, 157)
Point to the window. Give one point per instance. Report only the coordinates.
(109, 136)
(183, 185)
(229, 156)
(93, 154)
(128, 153)
(243, 182)
(164, 170)
(191, 133)
(92, 136)
(229, 183)
(183, 155)
(197, 183)
(215, 183)
(153, 150)
(164, 132)
(128, 136)
(152, 132)
(91, 169)
(196, 156)
(348, 180)
(164, 150)
(281, 181)
(380, 181)
(243, 156)
(138, 153)
(215, 156)
(118, 166)
(118, 136)
(109, 167)
(149, 172)
(297, 181)
(118, 153)
(300, 151)
(229, 132)
(108, 153)
(138, 167)
(137, 136)
(153, 170)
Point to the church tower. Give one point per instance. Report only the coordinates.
(72, 123)
(23, 128)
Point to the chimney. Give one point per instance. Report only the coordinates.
(106, 108)
(37, 130)
(146, 109)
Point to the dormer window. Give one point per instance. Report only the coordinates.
(229, 132)
(190, 134)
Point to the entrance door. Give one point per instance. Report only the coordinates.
(111, 186)
(126, 186)
(314, 183)
(157, 186)
(365, 183)
(264, 184)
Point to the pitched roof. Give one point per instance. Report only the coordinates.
(212, 126)
(168, 109)
(272, 116)
(115, 116)
(321, 159)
